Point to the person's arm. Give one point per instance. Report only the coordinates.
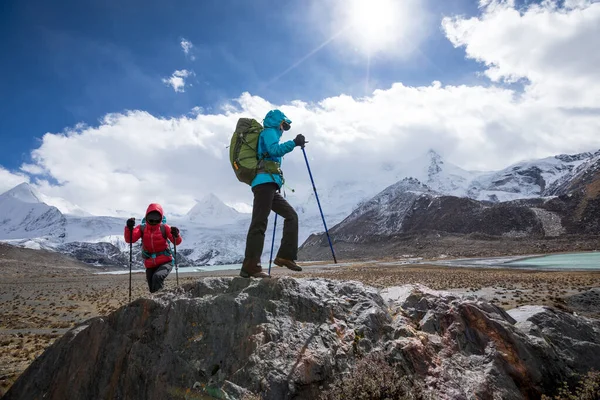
(272, 145)
(137, 233)
(173, 235)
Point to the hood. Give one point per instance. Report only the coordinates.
(274, 118)
(155, 207)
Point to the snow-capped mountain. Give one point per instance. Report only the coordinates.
(529, 179)
(215, 233)
(524, 180)
(24, 216)
(532, 200)
(584, 165)
(439, 175)
(410, 206)
(23, 193)
(211, 211)
(384, 213)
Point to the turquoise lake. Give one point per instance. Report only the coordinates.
(582, 261)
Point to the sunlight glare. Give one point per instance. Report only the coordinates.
(374, 23)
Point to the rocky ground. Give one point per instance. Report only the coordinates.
(43, 294)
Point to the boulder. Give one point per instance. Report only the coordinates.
(285, 338)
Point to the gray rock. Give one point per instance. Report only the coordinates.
(573, 340)
(587, 302)
(288, 339)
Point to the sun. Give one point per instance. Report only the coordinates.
(374, 26)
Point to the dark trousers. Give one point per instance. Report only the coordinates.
(266, 199)
(156, 276)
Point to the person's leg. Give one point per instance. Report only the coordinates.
(149, 274)
(289, 242)
(159, 276)
(255, 240)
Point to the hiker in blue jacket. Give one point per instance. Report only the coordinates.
(266, 187)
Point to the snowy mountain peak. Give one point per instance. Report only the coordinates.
(24, 215)
(432, 170)
(211, 199)
(211, 210)
(435, 165)
(434, 155)
(23, 192)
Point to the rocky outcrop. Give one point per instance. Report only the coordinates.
(290, 339)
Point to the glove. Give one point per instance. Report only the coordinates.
(175, 232)
(300, 140)
(131, 223)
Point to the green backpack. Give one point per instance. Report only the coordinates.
(243, 156)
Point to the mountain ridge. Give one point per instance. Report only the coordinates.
(214, 233)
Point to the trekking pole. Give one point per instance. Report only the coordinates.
(130, 259)
(319, 203)
(272, 243)
(175, 257)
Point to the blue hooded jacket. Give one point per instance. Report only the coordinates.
(268, 142)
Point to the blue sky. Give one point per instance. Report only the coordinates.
(87, 109)
(75, 61)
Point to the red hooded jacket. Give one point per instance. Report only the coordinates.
(153, 241)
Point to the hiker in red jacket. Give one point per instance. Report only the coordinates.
(155, 249)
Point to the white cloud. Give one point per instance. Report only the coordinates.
(9, 180)
(557, 50)
(132, 159)
(177, 80)
(187, 47)
(32, 169)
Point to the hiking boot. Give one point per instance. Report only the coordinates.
(253, 271)
(290, 264)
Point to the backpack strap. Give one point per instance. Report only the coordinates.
(267, 166)
(166, 252)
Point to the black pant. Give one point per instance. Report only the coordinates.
(266, 199)
(156, 276)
